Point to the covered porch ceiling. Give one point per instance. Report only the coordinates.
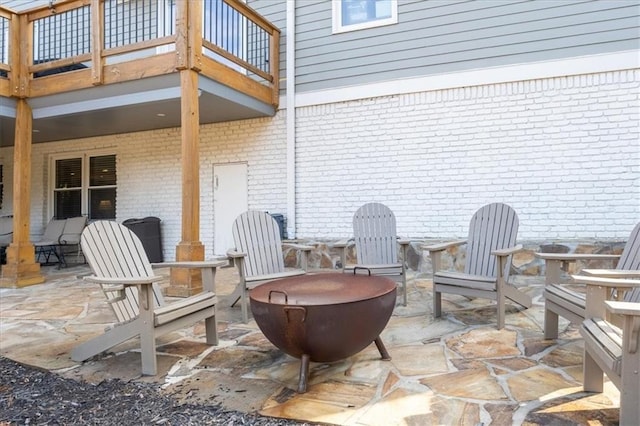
(132, 106)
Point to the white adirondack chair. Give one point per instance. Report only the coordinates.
(490, 245)
(609, 349)
(562, 301)
(258, 254)
(120, 265)
(376, 241)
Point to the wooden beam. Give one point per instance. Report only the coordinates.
(232, 78)
(185, 282)
(21, 269)
(190, 113)
(182, 35)
(274, 67)
(81, 79)
(194, 35)
(97, 25)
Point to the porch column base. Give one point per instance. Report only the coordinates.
(186, 282)
(21, 269)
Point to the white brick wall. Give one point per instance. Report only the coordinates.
(149, 173)
(564, 152)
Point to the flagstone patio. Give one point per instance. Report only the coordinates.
(455, 370)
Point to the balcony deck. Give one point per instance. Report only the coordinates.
(96, 67)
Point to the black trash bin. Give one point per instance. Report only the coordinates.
(148, 230)
(281, 224)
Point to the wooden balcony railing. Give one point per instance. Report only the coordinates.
(78, 44)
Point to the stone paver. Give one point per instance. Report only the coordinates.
(457, 369)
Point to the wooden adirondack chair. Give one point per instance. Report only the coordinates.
(120, 265)
(376, 241)
(490, 245)
(258, 254)
(562, 301)
(609, 349)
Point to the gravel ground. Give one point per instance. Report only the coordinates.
(33, 396)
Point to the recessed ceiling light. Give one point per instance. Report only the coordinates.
(36, 131)
(161, 114)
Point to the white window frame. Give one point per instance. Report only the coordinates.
(85, 167)
(339, 28)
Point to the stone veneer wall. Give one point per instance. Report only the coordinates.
(326, 257)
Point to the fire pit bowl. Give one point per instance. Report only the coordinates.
(324, 317)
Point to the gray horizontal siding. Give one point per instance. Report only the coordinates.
(435, 37)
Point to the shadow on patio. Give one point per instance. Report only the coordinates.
(456, 370)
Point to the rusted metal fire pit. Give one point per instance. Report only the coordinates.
(324, 317)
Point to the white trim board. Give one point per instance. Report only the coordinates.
(531, 71)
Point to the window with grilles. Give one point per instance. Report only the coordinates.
(85, 185)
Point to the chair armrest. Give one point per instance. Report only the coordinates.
(236, 254)
(300, 247)
(507, 251)
(612, 273)
(208, 268)
(606, 282)
(557, 262)
(631, 327)
(192, 264)
(598, 291)
(342, 244)
(442, 246)
(123, 281)
(623, 308)
(573, 257)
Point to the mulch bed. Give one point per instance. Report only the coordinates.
(34, 396)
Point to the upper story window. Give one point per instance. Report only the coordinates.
(84, 185)
(351, 15)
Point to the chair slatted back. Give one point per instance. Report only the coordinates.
(113, 251)
(374, 229)
(492, 227)
(257, 234)
(630, 259)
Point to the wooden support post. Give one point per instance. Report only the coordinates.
(21, 269)
(185, 282)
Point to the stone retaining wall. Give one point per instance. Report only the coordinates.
(326, 256)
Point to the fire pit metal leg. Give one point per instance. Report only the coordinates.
(304, 373)
(383, 351)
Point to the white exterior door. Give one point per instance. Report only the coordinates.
(229, 200)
